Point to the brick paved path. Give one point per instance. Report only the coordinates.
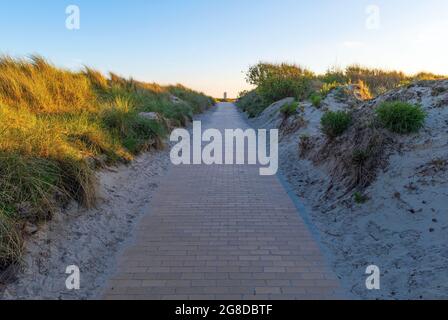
(222, 232)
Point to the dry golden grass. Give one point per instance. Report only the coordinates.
(42, 88)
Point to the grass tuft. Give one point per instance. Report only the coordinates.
(360, 198)
(336, 123)
(316, 99)
(401, 117)
(11, 243)
(289, 109)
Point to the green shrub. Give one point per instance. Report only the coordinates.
(289, 109)
(251, 103)
(278, 81)
(401, 117)
(316, 99)
(335, 123)
(278, 87)
(360, 198)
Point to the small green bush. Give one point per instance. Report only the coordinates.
(360, 198)
(335, 123)
(289, 109)
(277, 87)
(278, 81)
(401, 117)
(328, 87)
(316, 99)
(251, 103)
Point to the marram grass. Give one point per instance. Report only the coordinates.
(58, 126)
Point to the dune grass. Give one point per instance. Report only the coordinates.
(274, 82)
(58, 126)
(289, 109)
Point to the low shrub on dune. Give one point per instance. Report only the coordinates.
(251, 103)
(277, 81)
(401, 117)
(335, 123)
(289, 109)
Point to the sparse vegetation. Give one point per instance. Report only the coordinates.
(360, 198)
(57, 126)
(316, 99)
(11, 243)
(305, 145)
(360, 157)
(335, 123)
(328, 87)
(377, 80)
(438, 91)
(289, 109)
(401, 117)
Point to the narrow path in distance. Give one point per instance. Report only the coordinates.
(222, 232)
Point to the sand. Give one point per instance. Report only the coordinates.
(403, 226)
(89, 239)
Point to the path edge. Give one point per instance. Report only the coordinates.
(303, 213)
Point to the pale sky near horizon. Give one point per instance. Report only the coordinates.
(208, 44)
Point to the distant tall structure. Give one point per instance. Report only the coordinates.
(225, 95)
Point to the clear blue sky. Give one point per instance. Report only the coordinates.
(207, 44)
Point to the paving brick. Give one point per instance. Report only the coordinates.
(222, 232)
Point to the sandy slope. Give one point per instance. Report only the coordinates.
(403, 227)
